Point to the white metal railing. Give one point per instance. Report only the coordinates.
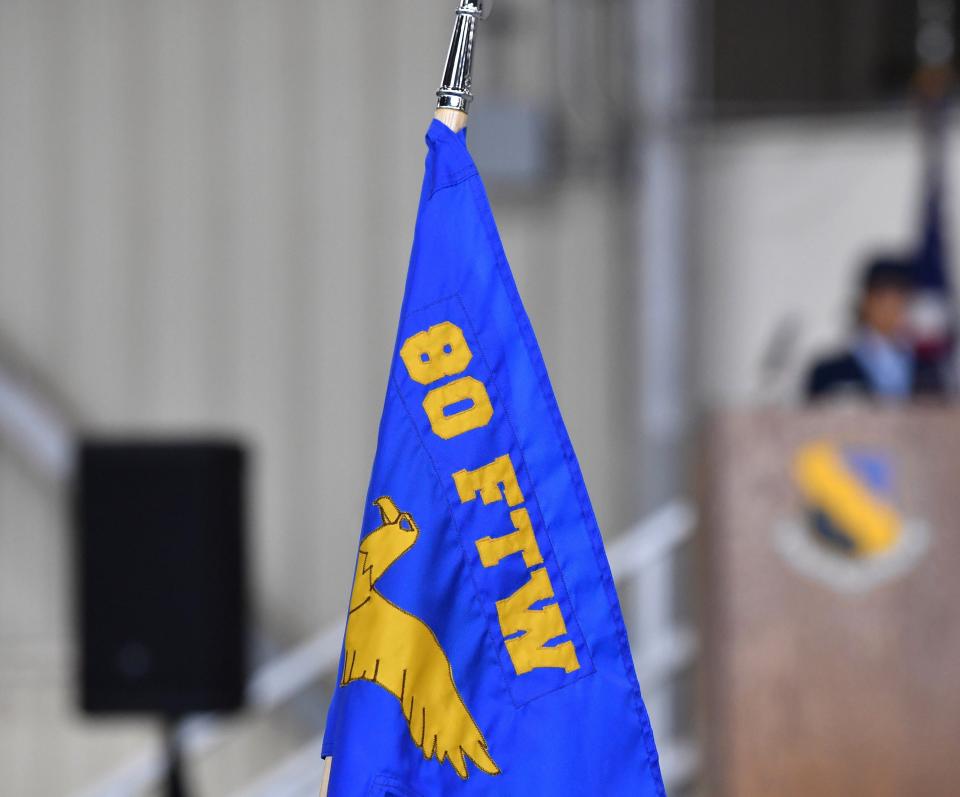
(658, 660)
(34, 425)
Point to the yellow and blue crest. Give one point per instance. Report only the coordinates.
(851, 533)
(848, 496)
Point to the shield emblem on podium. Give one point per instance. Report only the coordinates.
(849, 532)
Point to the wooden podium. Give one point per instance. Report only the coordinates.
(827, 674)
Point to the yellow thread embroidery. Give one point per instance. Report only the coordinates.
(493, 550)
(435, 353)
(392, 648)
(466, 388)
(487, 481)
(529, 651)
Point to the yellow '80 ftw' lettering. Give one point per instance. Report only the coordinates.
(435, 353)
(438, 352)
(465, 389)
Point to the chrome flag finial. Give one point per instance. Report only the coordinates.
(455, 89)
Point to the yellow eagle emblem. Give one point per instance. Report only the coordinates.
(392, 648)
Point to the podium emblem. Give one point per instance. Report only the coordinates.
(849, 532)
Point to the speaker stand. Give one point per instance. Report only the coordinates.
(176, 785)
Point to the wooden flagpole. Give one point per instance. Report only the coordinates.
(455, 120)
(453, 106)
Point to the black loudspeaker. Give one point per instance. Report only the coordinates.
(160, 576)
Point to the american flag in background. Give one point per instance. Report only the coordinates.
(933, 316)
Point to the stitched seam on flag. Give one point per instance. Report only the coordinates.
(502, 655)
(533, 352)
(477, 592)
(388, 781)
(446, 138)
(536, 499)
(546, 529)
(454, 179)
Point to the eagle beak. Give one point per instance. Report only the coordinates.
(388, 510)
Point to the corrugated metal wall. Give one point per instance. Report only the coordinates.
(206, 208)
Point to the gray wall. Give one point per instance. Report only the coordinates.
(206, 209)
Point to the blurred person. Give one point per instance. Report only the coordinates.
(880, 362)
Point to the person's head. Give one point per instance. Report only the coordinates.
(885, 291)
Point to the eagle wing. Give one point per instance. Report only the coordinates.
(397, 651)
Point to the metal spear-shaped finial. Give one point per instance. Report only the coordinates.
(454, 93)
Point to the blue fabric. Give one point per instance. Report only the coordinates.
(550, 732)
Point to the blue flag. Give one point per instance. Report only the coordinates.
(485, 652)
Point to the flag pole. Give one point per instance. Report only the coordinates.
(453, 105)
(454, 95)
(934, 80)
